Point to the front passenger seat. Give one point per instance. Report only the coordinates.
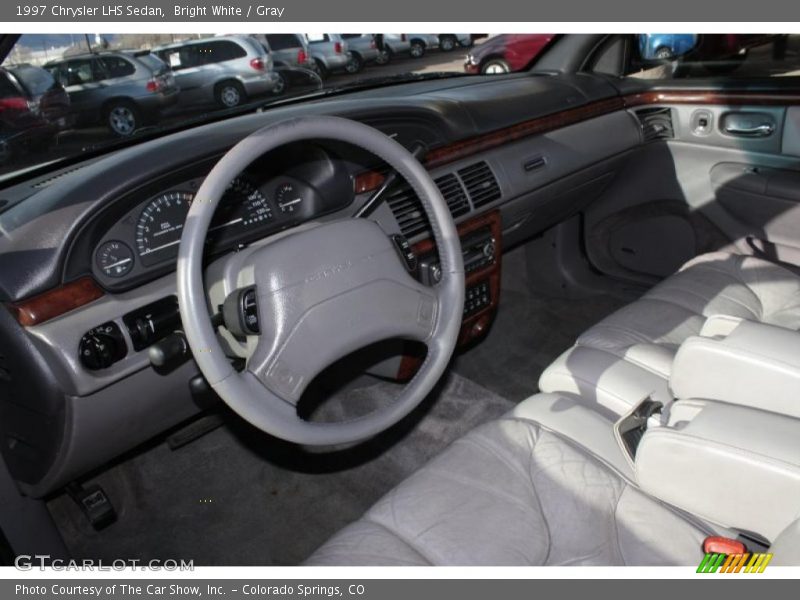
(628, 356)
(517, 492)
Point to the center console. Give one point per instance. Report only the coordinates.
(732, 465)
(481, 239)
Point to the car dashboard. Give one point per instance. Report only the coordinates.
(90, 278)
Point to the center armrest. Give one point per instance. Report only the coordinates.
(741, 362)
(735, 466)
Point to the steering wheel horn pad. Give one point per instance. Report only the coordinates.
(326, 292)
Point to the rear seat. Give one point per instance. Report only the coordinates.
(628, 356)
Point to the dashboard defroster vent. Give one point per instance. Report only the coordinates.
(50, 180)
(480, 183)
(453, 194)
(656, 123)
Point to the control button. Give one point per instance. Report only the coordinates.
(405, 251)
(436, 273)
(153, 322)
(489, 249)
(102, 346)
(249, 311)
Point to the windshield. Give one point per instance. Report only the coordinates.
(75, 93)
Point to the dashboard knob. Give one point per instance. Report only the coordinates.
(436, 273)
(98, 351)
(489, 249)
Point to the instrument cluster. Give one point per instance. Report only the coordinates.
(148, 236)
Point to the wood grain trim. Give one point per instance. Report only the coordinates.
(56, 302)
(711, 97)
(367, 181)
(462, 149)
(476, 325)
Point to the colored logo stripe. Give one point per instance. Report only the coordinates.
(734, 563)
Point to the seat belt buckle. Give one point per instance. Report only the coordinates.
(721, 545)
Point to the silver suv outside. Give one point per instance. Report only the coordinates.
(123, 90)
(225, 70)
(290, 57)
(363, 50)
(390, 45)
(329, 51)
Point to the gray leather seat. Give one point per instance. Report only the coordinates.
(629, 355)
(520, 492)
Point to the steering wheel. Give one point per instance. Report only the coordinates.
(320, 293)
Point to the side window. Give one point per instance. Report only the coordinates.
(79, 71)
(317, 38)
(282, 41)
(185, 57)
(222, 50)
(59, 73)
(699, 56)
(116, 66)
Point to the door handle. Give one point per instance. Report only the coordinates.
(762, 130)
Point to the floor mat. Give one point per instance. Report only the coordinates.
(529, 332)
(240, 497)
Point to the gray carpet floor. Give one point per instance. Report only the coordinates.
(239, 497)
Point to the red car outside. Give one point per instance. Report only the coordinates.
(506, 53)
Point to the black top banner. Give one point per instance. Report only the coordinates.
(455, 11)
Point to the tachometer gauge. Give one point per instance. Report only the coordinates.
(288, 199)
(159, 228)
(114, 258)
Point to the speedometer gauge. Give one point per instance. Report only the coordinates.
(160, 224)
(242, 205)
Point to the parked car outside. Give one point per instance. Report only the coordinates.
(329, 52)
(33, 109)
(506, 53)
(290, 57)
(422, 42)
(123, 90)
(225, 70)
(663, 46)
(390, 45)
(363, 50)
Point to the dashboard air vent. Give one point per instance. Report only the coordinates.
(453, 194)
(656, 123)
(407, 209)
(480, 183)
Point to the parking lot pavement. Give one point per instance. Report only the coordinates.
(73, 141)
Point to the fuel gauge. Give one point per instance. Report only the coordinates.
(114, 258)
(288, 199)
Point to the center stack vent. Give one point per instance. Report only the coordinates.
(469, 188)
